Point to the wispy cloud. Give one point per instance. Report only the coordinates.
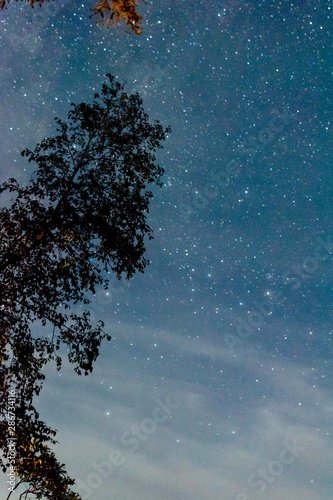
(218, 441)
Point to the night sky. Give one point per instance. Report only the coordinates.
(217, 383)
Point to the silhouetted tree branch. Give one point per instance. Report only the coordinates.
(83, 214)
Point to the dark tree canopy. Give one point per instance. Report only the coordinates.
(82, 214)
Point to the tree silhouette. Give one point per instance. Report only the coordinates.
(82, 215)
(107, 12)
(33, 464)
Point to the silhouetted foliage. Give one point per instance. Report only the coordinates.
(82, 215)
(33, 463)
(107, 12)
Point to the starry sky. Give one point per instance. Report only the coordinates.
(217, 381)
